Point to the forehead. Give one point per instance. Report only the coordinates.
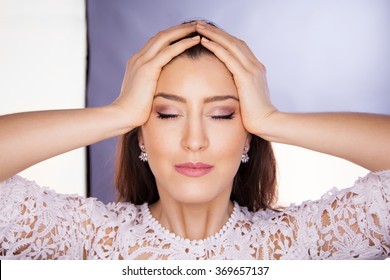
(205, 76)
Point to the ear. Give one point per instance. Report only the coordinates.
(140, 137)
(248, 141)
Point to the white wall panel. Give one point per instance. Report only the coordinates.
(43, 66)
(307, 175)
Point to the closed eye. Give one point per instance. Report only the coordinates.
(216, 117)
(223, 117)
(166, 116)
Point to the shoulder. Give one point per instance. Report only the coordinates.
(72, 224)
(360, 212)
(368, 197)
(19, 194)
(375, 179)
(16, 184)
(371, 186)
(370, 190)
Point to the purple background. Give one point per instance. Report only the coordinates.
(320, 55)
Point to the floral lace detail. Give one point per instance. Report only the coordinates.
(37, 223)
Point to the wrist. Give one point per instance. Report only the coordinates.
(117, 118)
(271, 126)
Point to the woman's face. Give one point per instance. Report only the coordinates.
(194, 137)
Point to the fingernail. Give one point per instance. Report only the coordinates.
(196, 38)
(204, 39)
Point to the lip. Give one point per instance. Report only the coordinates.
(192, 169)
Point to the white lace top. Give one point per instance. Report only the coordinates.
(37, 223)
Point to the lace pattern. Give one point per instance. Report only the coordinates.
(37, 223)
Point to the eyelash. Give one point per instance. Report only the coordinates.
(166, 116)
(173, 116)
(224, 117)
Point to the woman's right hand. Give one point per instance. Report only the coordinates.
(144, 68)
(31, 137)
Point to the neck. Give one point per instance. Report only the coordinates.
(192, 221)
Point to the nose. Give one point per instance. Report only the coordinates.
(195, 136)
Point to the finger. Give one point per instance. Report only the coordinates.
(236, 46)
(171, 51)
(231, 61)
(165, 37)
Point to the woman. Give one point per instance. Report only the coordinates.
(196, 112)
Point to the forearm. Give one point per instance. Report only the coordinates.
(363, 139)
(28, 138)
(31, 137)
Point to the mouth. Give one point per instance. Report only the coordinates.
(191, 169)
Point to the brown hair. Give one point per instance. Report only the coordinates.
(254, 185)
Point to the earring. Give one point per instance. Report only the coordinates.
(143, 156)
(244, 156)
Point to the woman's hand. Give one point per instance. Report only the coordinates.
(349, 136)
(29, 138)
(144, 68)
(248, 73)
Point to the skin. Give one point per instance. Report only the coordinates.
(28, 138)
(193, 134)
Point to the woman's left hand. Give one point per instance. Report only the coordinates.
(346, 135)
(248, 73)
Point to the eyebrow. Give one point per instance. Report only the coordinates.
(209, 99)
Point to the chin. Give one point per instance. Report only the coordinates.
(198, 194)
(194, 199)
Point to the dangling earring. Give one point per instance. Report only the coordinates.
(244, 156)
(143, 156)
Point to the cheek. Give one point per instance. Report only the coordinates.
(159, 140)
(228, 141)
(160, 146)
